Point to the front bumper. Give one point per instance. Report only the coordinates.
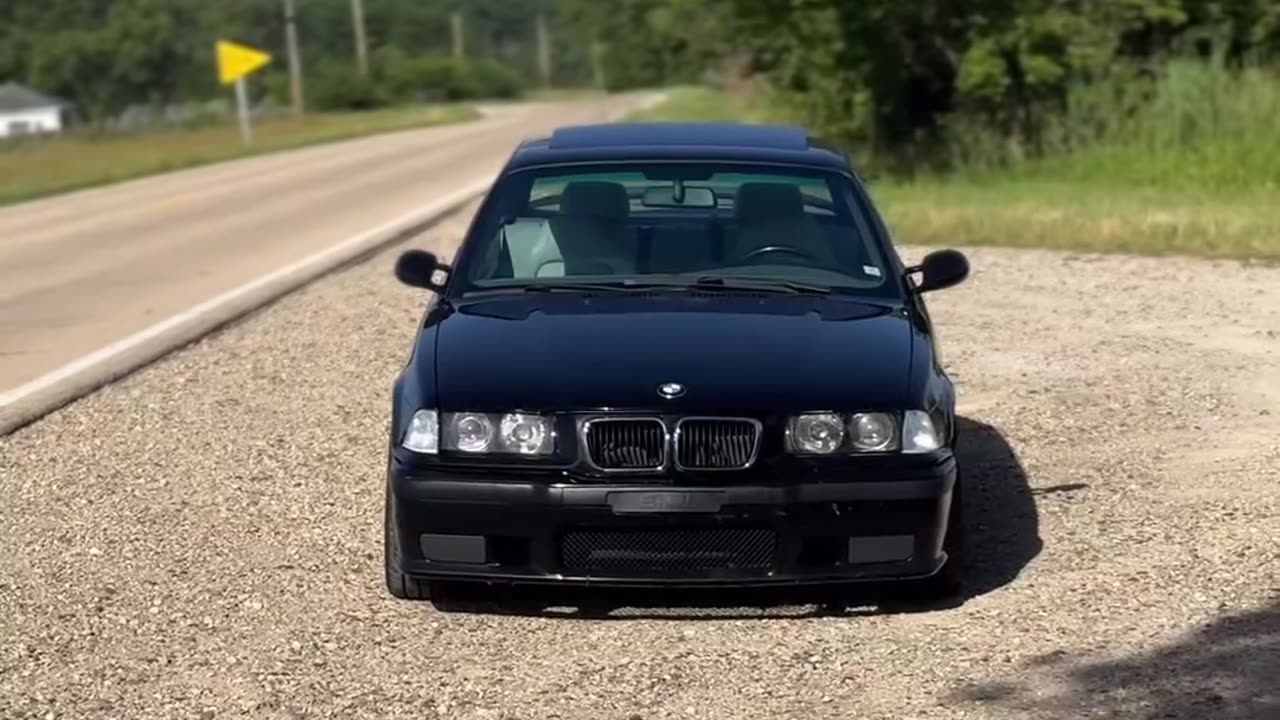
(449, 527)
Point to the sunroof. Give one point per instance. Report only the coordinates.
(650, 134)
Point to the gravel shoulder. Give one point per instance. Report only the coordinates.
(203, 539)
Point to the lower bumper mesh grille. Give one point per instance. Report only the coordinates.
(623, 551)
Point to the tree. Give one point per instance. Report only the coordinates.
(131, 56)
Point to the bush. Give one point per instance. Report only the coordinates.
(275, 87)
(421, 80)
(486, 79)
(339, 86)
(426, 79)
(397, 78)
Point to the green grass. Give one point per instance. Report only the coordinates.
(1087, 217)
(701, 104)
(1144, 196)
(47, 166)
(1198, 126)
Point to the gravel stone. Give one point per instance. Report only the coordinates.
(203, 538)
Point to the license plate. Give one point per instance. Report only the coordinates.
(665, 502)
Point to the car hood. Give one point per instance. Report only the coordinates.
(732, 354)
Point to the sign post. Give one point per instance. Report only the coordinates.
(242, 108)
(235, 63)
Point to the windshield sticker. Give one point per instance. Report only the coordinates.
(871, 270)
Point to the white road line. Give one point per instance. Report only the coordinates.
(115, 349)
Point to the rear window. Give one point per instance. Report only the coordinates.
(648, 221)
(545, 191)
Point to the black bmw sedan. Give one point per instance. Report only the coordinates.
(674, 356)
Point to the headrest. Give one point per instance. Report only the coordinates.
(595, 199)
(759, 201)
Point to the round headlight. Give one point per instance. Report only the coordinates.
(471, 432)
(817, 433)
(872, 432)
(525, 434)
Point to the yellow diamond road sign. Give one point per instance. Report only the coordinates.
(235, 61)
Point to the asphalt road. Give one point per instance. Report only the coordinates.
(81, 271)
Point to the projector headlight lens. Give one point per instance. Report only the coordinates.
(469, 432)
(816, 433)
(873, 432)
(525, 434)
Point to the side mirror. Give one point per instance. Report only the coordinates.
(417, 268)
(941, 269)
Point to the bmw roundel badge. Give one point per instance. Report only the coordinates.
(670, 390)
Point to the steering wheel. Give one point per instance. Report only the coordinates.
(781, 250)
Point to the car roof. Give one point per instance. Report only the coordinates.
(734, 142)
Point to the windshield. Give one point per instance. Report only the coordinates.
(671, 223)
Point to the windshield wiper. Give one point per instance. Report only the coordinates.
(730, 282)
(708, 283)
(570, 287)
(580, 287)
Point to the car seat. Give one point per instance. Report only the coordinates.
(772, 214)
(591, 230)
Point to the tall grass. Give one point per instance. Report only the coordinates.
(1194, 125)
(1186, 162)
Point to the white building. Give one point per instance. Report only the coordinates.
(24, 111)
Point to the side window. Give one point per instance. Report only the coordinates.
(533, 248)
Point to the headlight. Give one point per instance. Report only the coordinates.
(526, 434)
(423, 433)
(816, 433)
(468, 432)
(873, 432)
(830, 433)
(918, 433)
(513, 433)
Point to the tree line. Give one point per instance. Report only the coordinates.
(900, 77)
(903, 77)
(108, 55)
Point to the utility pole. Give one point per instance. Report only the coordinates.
(544, 51)
(598, 50)
(362, 43)
(455, 22)
(295, 62)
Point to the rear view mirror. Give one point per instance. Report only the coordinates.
(417, 268)
(665, 197)
(941, 269)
